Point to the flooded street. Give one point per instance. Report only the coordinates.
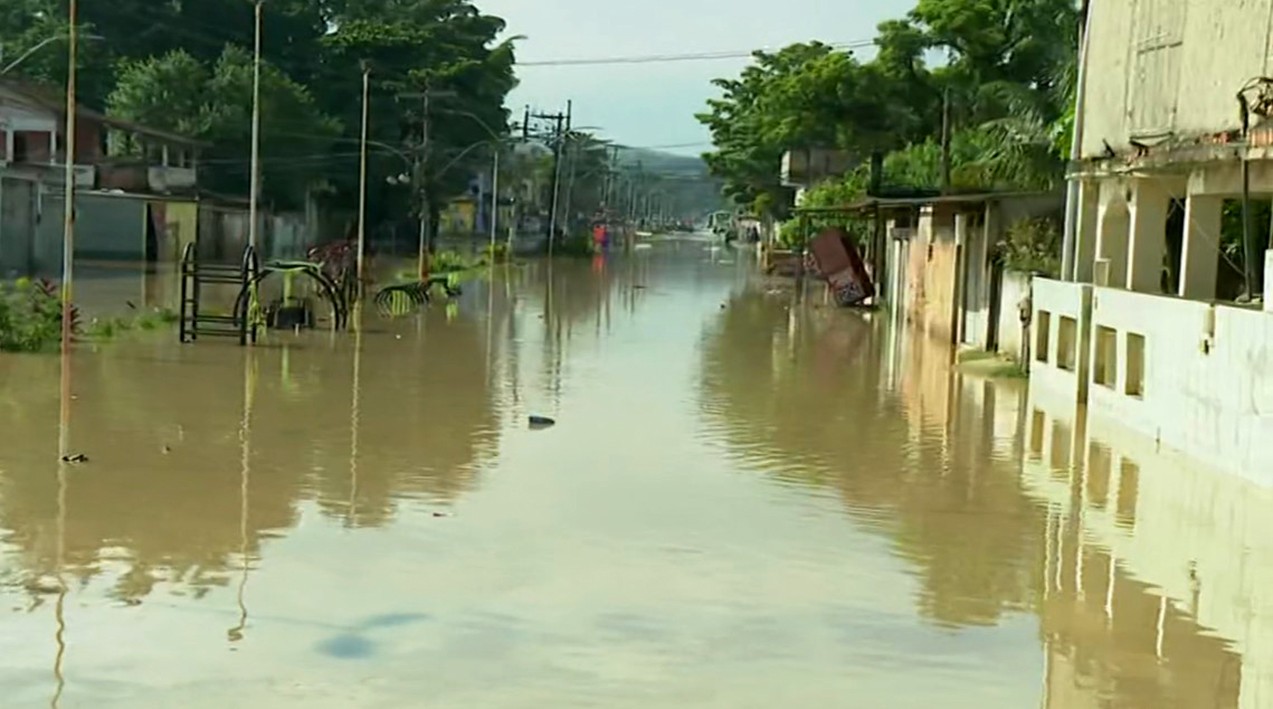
(744, 503)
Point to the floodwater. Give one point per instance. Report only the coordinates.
(745, 502)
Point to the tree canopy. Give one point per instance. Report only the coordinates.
(186, 66)
(1007, 78)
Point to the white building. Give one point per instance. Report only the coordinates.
(1148, 329)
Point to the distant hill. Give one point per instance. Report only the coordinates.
(660, 163)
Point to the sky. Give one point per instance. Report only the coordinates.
(652, 105)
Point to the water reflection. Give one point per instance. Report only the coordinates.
(915, 458)
(745, 501)
(199, 454)
(1153, 569)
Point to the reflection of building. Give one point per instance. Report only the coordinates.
(1192, 543)
(921, 448)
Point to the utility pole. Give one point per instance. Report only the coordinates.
(945, 141)
(362, 177)
(68, 212)
(421, 177)
(255, 179)
(494, 200)
(572, 159)
(560, 129)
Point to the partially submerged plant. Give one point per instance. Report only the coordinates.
(31, 316)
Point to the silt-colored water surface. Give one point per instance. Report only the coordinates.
(745, 503)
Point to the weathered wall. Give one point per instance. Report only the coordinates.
(110, 228)
(931, 274)
(106, 228)
(1157, 67)
(1015, 286)
(17, 226)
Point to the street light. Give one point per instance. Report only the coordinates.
(496, 143)
(41, 45)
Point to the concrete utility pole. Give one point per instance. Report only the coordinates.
(494, 199)
(68, 212)
(421, 174)
(1069, 269)
(255, 179)
(560, 130)
(362, 175)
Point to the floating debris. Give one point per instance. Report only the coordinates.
(541, 422)
(77, 458)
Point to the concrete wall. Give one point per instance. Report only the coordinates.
(932, 274)
(17, 226)
(110, 228)
(288, 237)
(1194, 376)
(1169, 66)
(1014, 287)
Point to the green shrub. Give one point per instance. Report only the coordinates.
(1032, 246)
(31, 316)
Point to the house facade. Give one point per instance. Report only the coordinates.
(1160, 320)
(136, 187)
(943, 274)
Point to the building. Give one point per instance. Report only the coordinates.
(137, 186)
(1144, 324)
(937, 261)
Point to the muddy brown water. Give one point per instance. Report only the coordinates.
(745, 503)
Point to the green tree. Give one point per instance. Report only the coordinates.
(445, 45)
(176, 92)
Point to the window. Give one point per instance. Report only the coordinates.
(1158, 33)
(1067, 344)
(1043, 336)
(1105, 366)
(1135, 365)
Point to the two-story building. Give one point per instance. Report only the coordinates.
(137, 186)
(1157, 323)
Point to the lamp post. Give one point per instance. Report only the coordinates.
(41, 45)
(496, 146)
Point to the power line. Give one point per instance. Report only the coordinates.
(686, 57)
